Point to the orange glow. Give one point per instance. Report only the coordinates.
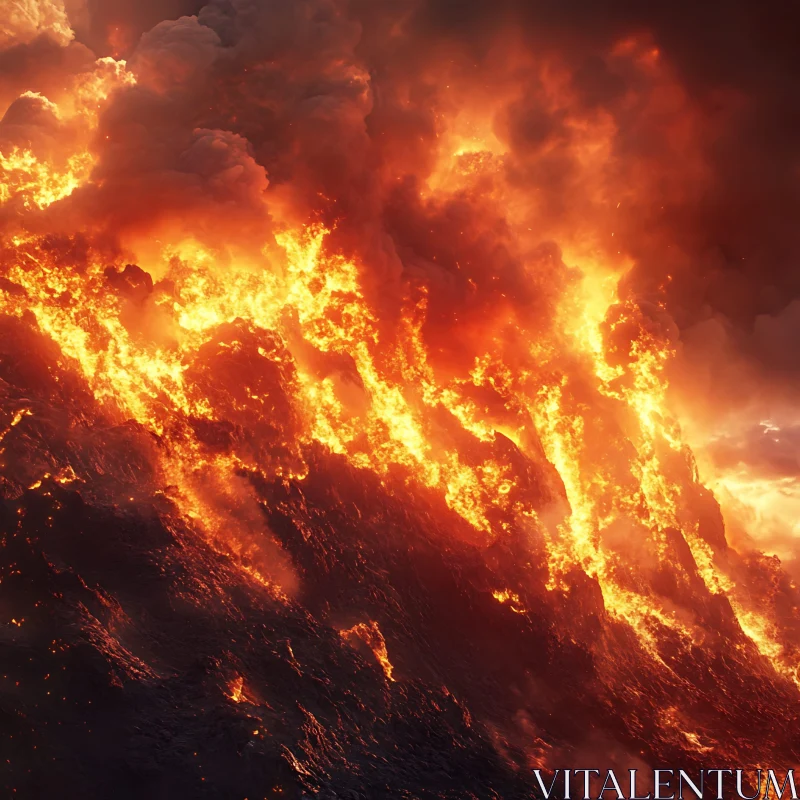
(533, 408)
(236, 688)
(23, 175)
(391, 427)
(370, 634)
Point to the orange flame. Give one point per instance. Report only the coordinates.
(393, 410)
(370, 634)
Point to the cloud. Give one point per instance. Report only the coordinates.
(25, 20)
(175, 55)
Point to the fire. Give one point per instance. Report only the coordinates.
(39, 181)
(318, 296)
(15, 420)
(526, 411)
(236, 688)
(512, 598)
(370, 634)
(24, 176)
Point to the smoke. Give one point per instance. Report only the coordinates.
(495, 172)
(26, 19)
(652, 136)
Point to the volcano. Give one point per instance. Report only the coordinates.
(393, 397)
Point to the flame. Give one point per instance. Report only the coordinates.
(24, 175)
(370, 634)
(38, 181)
(585, 401)
(507, 596)
(320, 293)
(236, 689)
(15, 420)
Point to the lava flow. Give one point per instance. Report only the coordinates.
(365, 375)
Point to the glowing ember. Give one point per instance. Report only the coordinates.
(370, 634)
(236, 688)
